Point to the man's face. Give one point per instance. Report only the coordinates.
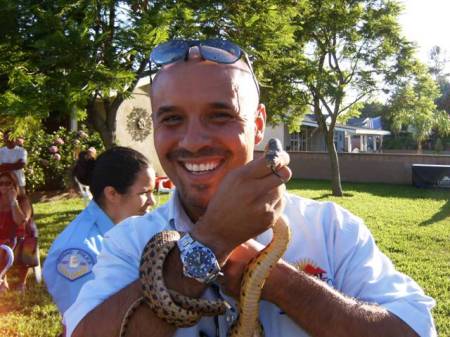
(8, 140)
(206, 123)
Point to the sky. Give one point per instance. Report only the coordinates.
(427, 22)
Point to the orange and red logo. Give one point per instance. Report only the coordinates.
(311, 268)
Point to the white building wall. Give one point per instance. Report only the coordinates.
(135, 127)
(276, 131)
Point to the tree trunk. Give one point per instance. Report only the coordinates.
(104, 122)
(419, 147)
(336, 186)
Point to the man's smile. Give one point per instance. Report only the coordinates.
(201, 168)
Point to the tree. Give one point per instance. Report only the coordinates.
(438, 63)
(443, 101)
(373, 109)
(437, 68)
(346, 51)
(19, 80)
(89, 55)
(86, 54)
(413, 105)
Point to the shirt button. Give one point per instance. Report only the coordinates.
(229, 318)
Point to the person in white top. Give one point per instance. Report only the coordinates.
(13, 158)
(332, 280)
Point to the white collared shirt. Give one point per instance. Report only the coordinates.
(327, 241)
(12, 156)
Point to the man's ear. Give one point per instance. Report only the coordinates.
(260, 123)
(111, 195)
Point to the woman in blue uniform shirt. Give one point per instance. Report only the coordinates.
(121, 181)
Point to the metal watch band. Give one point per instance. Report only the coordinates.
(208, 271)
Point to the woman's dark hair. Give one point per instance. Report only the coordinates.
(117, 167)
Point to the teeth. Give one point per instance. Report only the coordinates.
(200, 167)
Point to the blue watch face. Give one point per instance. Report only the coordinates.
(199, 262)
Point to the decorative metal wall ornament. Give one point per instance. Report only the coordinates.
(139, 124)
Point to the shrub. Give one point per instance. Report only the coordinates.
(402, 141)
(52, 156)
(438, 146)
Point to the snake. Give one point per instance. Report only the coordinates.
(183, 311)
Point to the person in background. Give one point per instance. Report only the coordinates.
(13, 158)
(121, 181)
(15, 212)
(20, 141)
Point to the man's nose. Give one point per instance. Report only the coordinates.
(196, 136)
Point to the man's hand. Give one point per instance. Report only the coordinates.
(248, 202)
(11, 194)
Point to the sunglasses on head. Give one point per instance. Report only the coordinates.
(215, 50)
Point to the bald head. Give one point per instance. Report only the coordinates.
(236, 77)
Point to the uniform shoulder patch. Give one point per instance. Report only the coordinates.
(74, 263)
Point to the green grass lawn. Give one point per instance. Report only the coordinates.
(411, 226)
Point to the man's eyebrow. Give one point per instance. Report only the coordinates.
(166, 109)
(220, 105)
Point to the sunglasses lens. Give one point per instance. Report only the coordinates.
(215, 50)
(220, 51)
(169, 52)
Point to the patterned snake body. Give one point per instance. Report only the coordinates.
(254, 278)
(177, 309)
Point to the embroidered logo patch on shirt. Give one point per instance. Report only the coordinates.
(311, 268)
(74, 263)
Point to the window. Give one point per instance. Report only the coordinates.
(298, 140)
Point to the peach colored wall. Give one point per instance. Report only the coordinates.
(361, 167)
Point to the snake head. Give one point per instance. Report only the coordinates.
(272, 152)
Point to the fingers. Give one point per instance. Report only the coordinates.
(259, 179)
(283, 174)
(258, 168)
(272, 196)
(271, 182)
(271, 205)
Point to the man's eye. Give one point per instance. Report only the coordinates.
(222, 116)
(171, 120)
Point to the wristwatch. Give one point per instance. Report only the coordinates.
(199, 262)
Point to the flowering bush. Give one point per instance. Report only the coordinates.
(52, 156)
(53, 149)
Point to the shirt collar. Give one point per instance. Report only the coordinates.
(102, 220)
(178, 219)
(11, 148)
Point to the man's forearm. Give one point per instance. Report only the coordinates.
(12, 167)
(304, 299)
(105, 320)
